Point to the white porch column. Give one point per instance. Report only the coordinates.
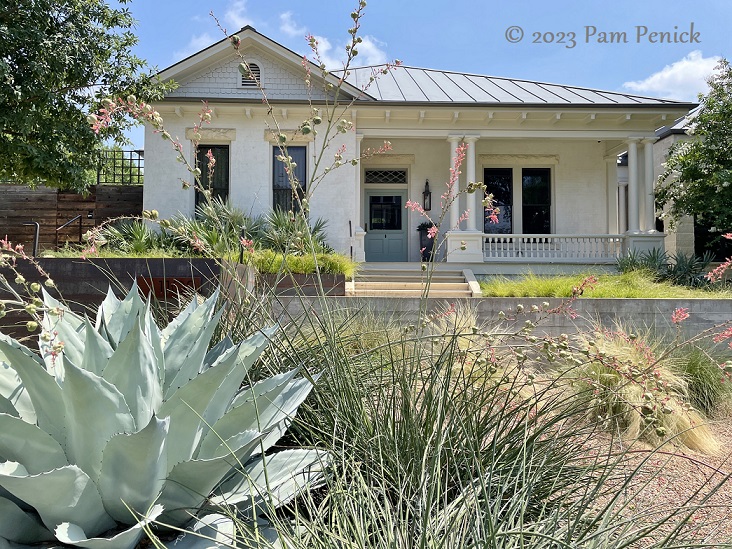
(477, 200)
(633, 210)
(611, 169)
(454, 202)
(650, 198)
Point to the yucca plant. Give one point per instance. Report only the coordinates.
(126, 423)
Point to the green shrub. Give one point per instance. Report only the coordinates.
(291, 233)
(270, 261)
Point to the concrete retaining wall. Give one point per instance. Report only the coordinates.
(652, 313)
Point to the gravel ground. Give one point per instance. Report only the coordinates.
(671, 479)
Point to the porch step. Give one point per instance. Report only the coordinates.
(388, 280)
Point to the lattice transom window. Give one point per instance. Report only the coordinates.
(389, 177)
(250, 79)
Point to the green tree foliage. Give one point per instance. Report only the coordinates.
(698, 175)
(58, 59)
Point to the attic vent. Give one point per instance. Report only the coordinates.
(250, 80)
(385, 176)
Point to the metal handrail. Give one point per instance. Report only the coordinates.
(36, 235)
(69, 222)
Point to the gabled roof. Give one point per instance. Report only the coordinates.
(249, 36)
(416, 85)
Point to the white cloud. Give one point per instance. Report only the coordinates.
(370, 52)
(195, 44)
(289, 26)
(682, 80)
(236, 16)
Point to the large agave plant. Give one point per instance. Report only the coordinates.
(129, 424)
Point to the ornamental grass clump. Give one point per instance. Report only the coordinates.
(118, 423)
(631, 387)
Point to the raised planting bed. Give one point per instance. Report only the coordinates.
(302, 284)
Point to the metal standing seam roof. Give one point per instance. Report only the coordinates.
(415, 85)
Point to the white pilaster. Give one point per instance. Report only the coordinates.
(453, 198)
(633, 210)
(359, 235)
(648, 191)
(475, 200)
(357, 202)
(611, 170)
(622, 207)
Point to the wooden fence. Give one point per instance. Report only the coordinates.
(51, 208)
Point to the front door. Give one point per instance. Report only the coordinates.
(386, 231)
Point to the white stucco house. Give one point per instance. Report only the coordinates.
(547, 152)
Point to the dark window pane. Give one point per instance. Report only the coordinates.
(536, 199)
(218, 182)
(282, 191)
(385, 213)
(499, 183)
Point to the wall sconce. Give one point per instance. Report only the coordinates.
(427, 197)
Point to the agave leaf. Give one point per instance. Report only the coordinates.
(271, 386)
(216, 351)
(178, 320)
(190, 482)
(133, 370)
(69, 333)
(71, 318)
(95, 411)
(97, 350)
(119, 323)
(133, 470)
(73, 534)
(14, 398)
(187, 408)
(41, 387)
(28, 445)
(106, 309)
(265, 412)
(19, 526)
(6, 407)
(219, 532)
(150, 328)
(60, 495)
(248, 352)
(186, 347)
(276, 479)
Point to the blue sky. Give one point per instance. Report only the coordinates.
(606, 45)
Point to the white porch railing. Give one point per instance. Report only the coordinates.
(553, 248)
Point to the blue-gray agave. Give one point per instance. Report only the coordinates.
(131, 418)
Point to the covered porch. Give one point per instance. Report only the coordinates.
(559, 196)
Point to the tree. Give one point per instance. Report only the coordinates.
(58, 59)
(697, 179)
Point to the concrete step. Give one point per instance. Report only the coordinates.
(406, 280)
(450, 294)
(410, 285)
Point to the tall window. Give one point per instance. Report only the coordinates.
(523, 196)
(536, 200)
(499, 183)
(218, 182)
(284, 196)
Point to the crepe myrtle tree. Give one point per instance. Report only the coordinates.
(58, 59)
(697, 179)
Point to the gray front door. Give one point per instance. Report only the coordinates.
(386, 231)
